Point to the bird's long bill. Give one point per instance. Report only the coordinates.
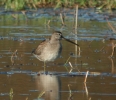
(70, 41)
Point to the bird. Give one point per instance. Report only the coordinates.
(50, 49)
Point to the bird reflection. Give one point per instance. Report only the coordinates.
(50, 84)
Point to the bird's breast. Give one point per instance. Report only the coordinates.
(51, 52)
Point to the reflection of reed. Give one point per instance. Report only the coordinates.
(70, 93)
(86, 90)
(112, 64)
(85, 86)
(13, 57)
(50, 84)
(113, 47)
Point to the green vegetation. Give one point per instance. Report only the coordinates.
(11, 94)
(23, 4)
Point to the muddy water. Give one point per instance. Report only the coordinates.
(19, 68)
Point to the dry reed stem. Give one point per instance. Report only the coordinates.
(111, 26)
(76, 17)
(34, 6)
(62, 19)
(23, 12)
(70, 65)
(76, 21)
(41, 94)
(72, 68)
(14, 16)
(86, 77)
(48, 22)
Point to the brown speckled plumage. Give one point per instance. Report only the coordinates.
(49, 49)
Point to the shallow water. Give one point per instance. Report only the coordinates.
(18, 70)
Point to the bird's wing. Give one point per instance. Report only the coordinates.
(40, 47)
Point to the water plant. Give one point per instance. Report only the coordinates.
(19, 4)
(22, 4)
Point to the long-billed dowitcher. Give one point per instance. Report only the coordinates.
(50, 49)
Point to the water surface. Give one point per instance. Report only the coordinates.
(18, 70)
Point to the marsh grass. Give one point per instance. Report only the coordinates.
(23, 4)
